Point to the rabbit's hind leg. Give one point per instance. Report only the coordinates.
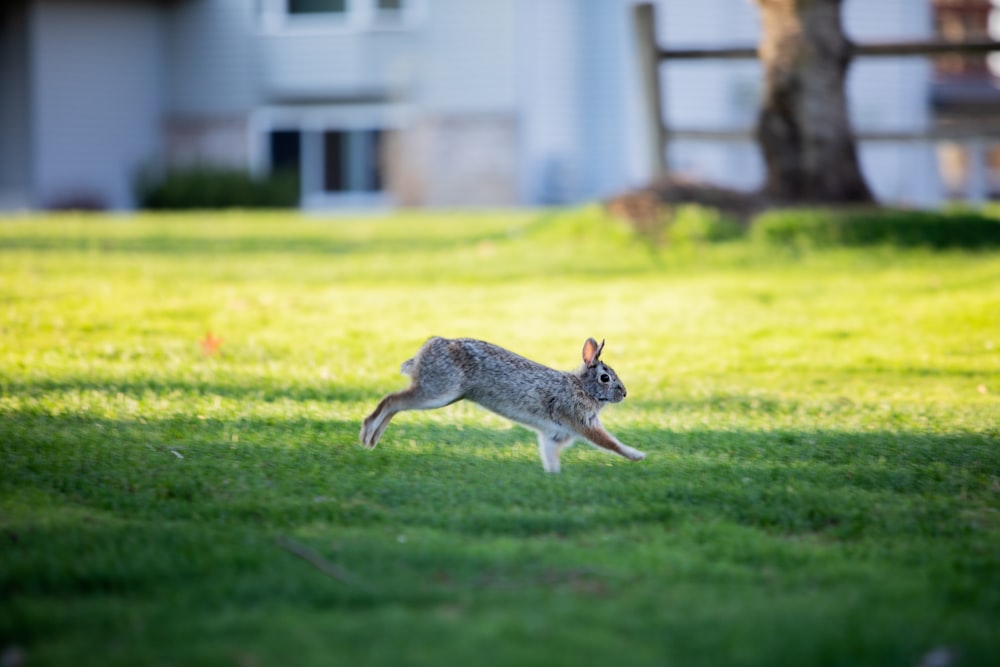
(415, 397)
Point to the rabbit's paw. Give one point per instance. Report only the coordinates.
(633, 454)
(368, 434)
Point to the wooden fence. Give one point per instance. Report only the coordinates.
(651, 56)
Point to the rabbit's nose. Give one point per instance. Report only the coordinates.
(624, 393)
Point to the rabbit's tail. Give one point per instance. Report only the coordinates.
(410, 364)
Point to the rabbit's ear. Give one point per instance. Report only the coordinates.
(591, 351)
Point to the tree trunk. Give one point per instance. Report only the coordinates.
(804, 129)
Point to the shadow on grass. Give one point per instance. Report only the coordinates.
(283, 472)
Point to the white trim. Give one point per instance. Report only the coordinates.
(321, 200)
(273, 18)
(344, 116)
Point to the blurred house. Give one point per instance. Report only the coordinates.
(410, 102)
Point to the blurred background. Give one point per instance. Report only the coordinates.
(451, 103)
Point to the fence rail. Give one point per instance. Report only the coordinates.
(954, 133)
(881, 49)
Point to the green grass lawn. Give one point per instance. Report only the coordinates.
(822, 428)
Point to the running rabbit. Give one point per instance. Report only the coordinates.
(560, 406)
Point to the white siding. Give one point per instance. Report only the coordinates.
(335, 64)
(550, 92)
(603, 56)
(577, 100)
(95, 96)
(468, 59)
(211, 68)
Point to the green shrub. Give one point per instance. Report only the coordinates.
(958, 228)
(692, 223)
(215, 187)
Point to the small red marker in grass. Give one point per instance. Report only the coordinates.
(210, 343)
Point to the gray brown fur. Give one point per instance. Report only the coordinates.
(560, 406)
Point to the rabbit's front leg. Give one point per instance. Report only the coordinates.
(596, 434)
(549, 447)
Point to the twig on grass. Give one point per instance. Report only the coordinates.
(317, 561)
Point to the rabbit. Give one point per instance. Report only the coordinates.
(560, 406)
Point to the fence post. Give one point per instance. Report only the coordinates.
(648, 54)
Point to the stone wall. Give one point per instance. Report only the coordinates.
(218, 141)
(454, 160)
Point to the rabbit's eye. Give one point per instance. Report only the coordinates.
(605, 378)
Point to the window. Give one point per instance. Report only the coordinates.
(332, 164)
(297, 15)
(336, 158)
(317, 6)
(351, 161)
(285, 151)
